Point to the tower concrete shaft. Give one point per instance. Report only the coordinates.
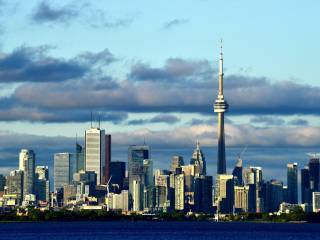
(220, 107)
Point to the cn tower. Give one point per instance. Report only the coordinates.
(220, 107)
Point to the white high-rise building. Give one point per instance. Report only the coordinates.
(95, 152)
(316, 202)
(27, 165)
(137, 195)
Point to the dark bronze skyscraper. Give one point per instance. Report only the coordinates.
(220, 107)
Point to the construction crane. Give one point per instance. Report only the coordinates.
(241, 153)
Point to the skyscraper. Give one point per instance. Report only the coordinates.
(27, 165)
(314, 173)
(64, 168)
(14, 185)
(136, 155)
(95, 152)
(42, 183)
(292, 181)
(220, 107)
(108, 157)
(118, 173)
(199, 161)
(237, 173)
(80, 157)
(224, 194)
(305, 186)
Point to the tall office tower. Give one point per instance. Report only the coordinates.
(274, 195)
(27, 165)
(42, 183)
(148, 183)
(292, 181)
(241, 198)
(189, 172)
(117, 174)
(162, 190)
(14, 185)
(253, 178)
(2, 182)
(314, 172)
(316, 202)
(137, 195)
(64, 168)
(199, 161)
(179, 192)
(177, 162)
(108, 157)
(95, 153)
(203, 194)
(136, 155)
(224, 193)
(220, 107)
(305, 186)
(80, 157)
(237, 173)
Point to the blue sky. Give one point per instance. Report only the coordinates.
(150, 70)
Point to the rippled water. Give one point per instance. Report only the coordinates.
(158, 230)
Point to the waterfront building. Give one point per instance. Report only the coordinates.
(85, 182)
(42, 183)
(136, 155)
(224, 193)
(274, 195)
(241, 198)
(137, 195)
(117, 174)
(198, 160)
(95, 157)
(306, 194)
(179, 192)
(69, 194)
(118, 201)
(220, 107)
(292, 181)
(162, 191)
(64, 168)
(2, 182)
(203, 194)
(252, 177)
(14, 185)
(177, 162)
(27, 165)
(316, 202)
(148, 183)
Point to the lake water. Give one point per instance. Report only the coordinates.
(158, 230)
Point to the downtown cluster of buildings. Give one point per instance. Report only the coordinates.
(88, 179)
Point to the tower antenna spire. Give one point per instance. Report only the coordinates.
(99, 121)
(91, 119)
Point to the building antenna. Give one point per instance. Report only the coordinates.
(76, 138)
(91, 119)
(99, 120)
(144, 140)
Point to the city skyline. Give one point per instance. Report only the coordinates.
(106, 73)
